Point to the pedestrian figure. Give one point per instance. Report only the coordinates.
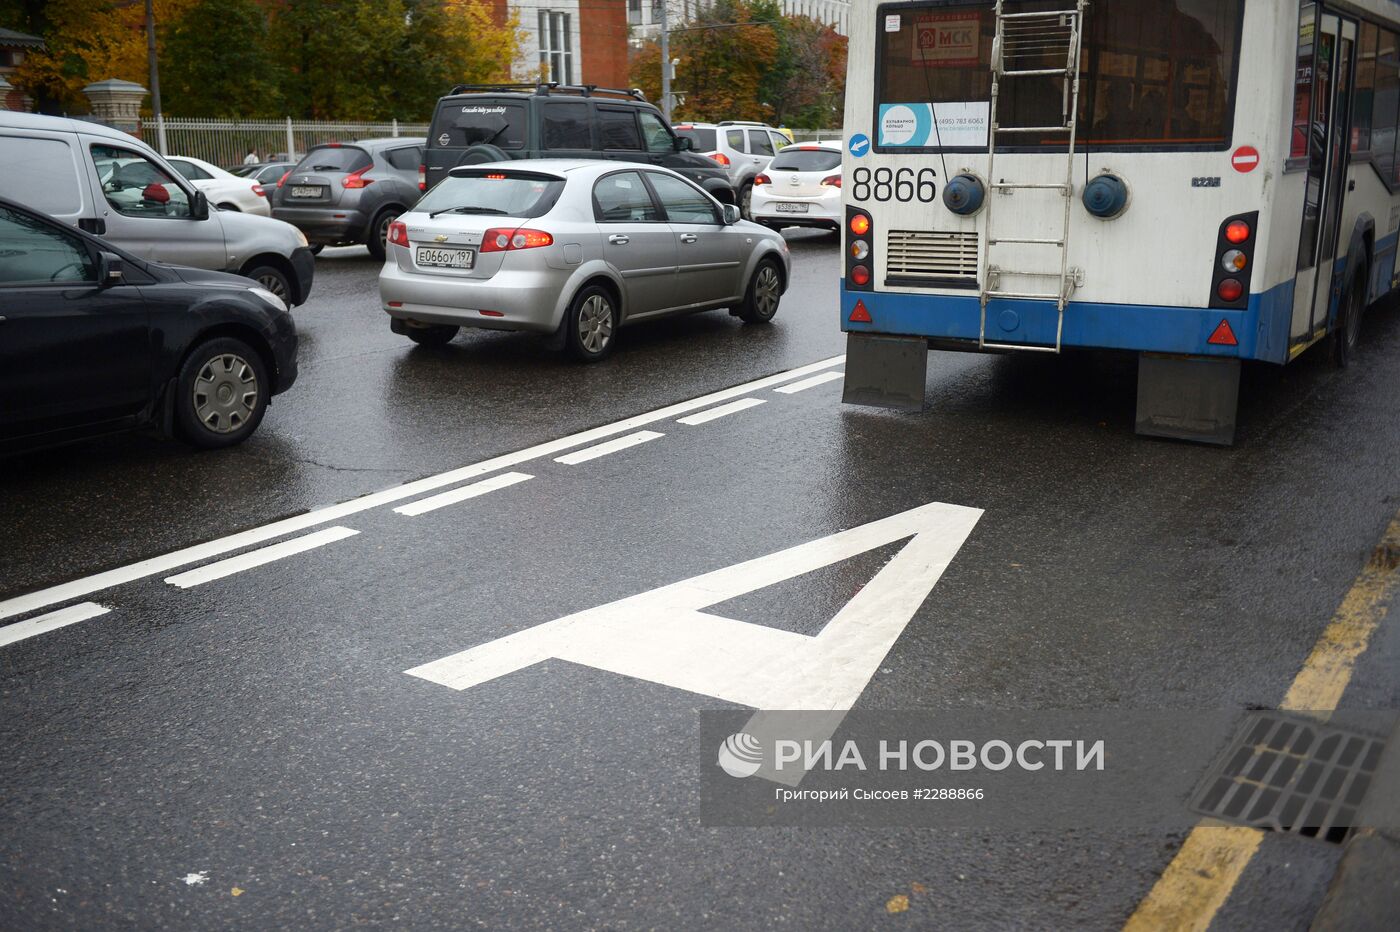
(251, 158)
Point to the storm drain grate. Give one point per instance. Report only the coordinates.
(1293, 775)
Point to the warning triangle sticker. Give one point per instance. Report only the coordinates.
(1223, 335)
(859, 315)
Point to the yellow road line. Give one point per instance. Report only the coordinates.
(1199, 879)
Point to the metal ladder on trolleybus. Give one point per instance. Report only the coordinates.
(1021, 37)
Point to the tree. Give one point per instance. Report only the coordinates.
(215, 62)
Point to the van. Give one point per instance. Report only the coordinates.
(112, 185)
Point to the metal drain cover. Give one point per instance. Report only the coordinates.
(1291, 774)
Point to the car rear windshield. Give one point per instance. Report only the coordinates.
(458, 125)
(797, 159)
(494, 193)
(1158, 75)
(704, 138)
(334, 159)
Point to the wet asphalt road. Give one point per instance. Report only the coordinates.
(259, 730)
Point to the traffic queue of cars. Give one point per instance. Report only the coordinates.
(140, 290)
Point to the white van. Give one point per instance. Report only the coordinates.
(115, 186)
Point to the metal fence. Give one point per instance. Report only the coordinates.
(226, 142)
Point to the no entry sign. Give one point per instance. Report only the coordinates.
(1245, 158)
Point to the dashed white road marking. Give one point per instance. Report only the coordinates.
(87, 585)
(504, 480)
(734, 407)
(246, 561)
(61, 618)
(813, 382)
(611, 446)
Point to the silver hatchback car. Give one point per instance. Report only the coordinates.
(576, 248)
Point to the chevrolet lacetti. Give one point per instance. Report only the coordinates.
(575, 248)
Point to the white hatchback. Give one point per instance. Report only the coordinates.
(224, 189)
(800, 188)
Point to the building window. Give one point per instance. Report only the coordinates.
(634, 12)
(556, 47)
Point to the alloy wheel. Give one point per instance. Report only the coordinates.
(767, 291)
(225, 393)
(595, 323)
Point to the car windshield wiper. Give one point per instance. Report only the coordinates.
(325, 168)
(467, 209)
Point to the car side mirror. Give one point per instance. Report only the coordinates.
(111, 270)
(731, 214)
(684, 143)
(199, 207)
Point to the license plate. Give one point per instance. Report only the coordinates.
(445, 258)
(300, 190)
(784, 208)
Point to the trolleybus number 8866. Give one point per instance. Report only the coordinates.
(904, 184)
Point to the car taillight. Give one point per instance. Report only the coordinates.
(398, 233)
(860, 258)
(1234, 252)
(831, 181)
(259, 190)
(504, 239)
(422, 177)
(760, 180)
(721, 158)
(357, 179)
(283, 180)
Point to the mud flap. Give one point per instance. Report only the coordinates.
(885, 372)
(1188, 397)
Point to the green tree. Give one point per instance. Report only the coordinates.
(217, 63)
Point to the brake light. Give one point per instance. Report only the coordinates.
(357, 179)
(502, 239)
(721, 158)
(860, 248)
(860, 275)
(422, 177)
(760, 180)
(1237, 231)
(398, 233)
(283, 180)
(860, 224)
(259, 190)
(1229, 290)
(1234, 248)
(831, 181)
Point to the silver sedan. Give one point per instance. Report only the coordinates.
(576, 248)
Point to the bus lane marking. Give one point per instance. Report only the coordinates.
(462, 493)
(247, 561)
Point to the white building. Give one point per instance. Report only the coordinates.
(644, 16)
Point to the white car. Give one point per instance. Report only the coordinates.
(224, 189)
(801, 187)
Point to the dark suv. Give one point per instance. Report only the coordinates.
(475, 124)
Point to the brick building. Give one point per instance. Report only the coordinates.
(13, 47)
(571, 41)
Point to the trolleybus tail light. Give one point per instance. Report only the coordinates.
(1237, 231)
(860, 249)
(1233, 263)
(1229, 290)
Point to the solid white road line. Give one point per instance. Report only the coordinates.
(246, 561)
(87, 585)
(734, 407)
(460, 495)
(813, 382)
(603, 449)
(64, 616)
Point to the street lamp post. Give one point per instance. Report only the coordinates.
(665, 65)
(151, 57)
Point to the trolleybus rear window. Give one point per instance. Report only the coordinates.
(1157, 75)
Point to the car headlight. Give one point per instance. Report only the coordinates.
(270, 298)
(301, 238)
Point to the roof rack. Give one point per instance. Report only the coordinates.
(545, 89)
(740, 123)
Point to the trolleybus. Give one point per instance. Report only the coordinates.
(1200, 182)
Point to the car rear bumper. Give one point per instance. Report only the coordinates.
(822, 212)
(325, 226)
(509, 300)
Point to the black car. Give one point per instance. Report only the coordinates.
(94, 340)
(475, 124)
